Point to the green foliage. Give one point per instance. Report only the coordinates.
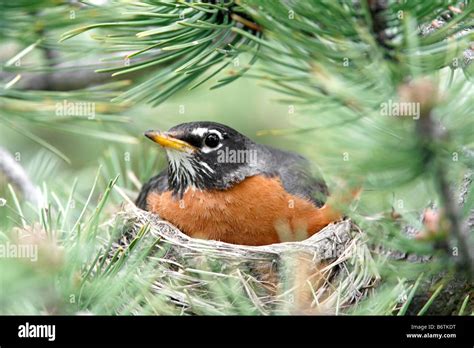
(29, 100)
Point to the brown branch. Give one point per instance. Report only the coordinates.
(246, 22)
(458, 229)
(425, 94)
(17, 176)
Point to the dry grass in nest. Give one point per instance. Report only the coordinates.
(324, 274)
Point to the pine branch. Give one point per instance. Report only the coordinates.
(380, 26)
(458, 229)
(424, 94)
(16, 175)
(185, 43)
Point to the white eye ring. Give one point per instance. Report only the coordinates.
(202, 132)
(216, 132)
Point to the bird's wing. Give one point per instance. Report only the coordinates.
(158, 183)
(299, 176)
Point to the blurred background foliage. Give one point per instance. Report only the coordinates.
(307, 76)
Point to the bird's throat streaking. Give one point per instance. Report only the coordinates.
(184, 171)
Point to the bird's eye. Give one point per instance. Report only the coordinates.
(212, 140)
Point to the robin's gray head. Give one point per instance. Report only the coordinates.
(206, 155)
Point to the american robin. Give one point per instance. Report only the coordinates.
(221, 185)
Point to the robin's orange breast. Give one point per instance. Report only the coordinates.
(257, 211)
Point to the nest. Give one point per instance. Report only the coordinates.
(324, 274)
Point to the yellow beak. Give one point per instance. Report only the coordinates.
(168, 141)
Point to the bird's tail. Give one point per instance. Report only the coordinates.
(335, 208)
